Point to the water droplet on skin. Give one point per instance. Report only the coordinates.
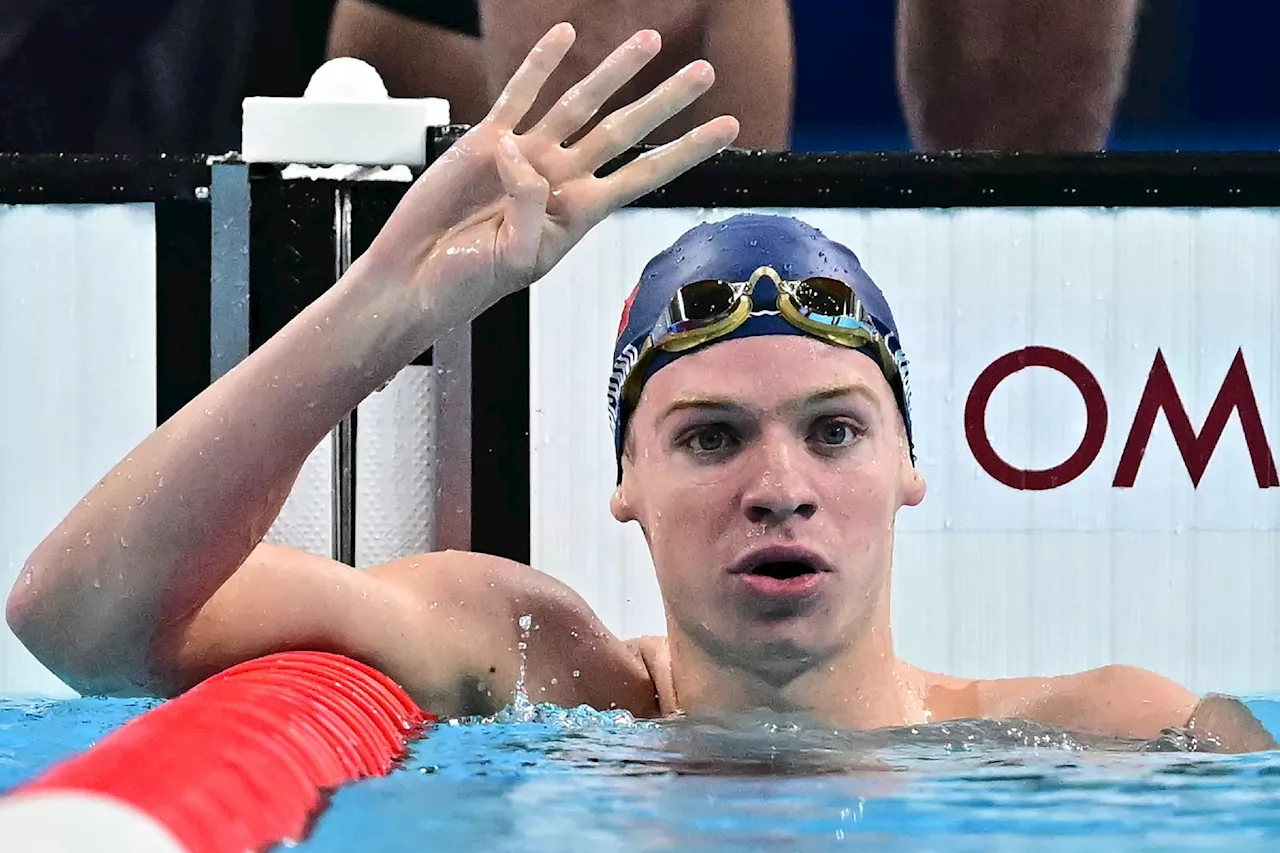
(525, 622)
(577, 673)
(124, 543)
(97, 584)
(554, 681)
(86, 540)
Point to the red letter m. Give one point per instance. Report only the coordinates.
(1160, 393)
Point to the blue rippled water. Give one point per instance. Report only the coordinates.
(552, 779)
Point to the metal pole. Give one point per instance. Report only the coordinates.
(344, 434)
(229, 267)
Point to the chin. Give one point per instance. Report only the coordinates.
(784, 647)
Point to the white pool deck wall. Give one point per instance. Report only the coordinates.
(78, 385)
(988, 580)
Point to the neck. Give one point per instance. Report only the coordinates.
(861, 685)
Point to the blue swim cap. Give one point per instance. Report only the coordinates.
(731, 251)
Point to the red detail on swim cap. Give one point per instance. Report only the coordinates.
(626, 311)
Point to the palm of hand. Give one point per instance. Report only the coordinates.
(497, 211)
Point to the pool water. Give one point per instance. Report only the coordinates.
(552, 779)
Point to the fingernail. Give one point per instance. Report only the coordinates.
(701, 67)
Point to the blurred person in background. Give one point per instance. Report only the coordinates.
(126, 77)
(972, 74)
(465, 50)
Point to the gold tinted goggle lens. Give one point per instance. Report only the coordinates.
(702, 311)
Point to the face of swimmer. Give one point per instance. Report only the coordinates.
(766, 473)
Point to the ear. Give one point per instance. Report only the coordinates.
(913, 485)
(620, 504)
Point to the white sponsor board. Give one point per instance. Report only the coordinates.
(77, 375)
(1097, 412)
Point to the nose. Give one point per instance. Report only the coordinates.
(780, 487)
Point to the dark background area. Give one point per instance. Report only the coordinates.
(1203, 76)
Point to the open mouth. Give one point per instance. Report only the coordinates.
(783, 569)
(782, 573)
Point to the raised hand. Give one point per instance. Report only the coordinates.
(498, 210)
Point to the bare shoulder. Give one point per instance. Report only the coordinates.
(501, 621)
(1115, 700)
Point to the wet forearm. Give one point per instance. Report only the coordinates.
(1012, 74)
(165, 528)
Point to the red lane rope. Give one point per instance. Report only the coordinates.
(243, 760)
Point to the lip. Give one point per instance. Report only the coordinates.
(785, 592)
(781, 554)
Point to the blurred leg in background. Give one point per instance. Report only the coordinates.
(1029, 75)
(750, 43)
(428, 48)
(422, 48)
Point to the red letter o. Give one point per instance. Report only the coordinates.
(975, 419)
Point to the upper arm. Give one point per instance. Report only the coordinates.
(446, 626)
(283, 599)
(1225, 724)
(415, 58)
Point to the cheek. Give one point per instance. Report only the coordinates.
(688, 516)
(864, 497)
(685, 529)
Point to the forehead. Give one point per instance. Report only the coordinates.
(764, 370)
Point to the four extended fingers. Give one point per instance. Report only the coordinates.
(625, 127)
(522, 89)
(632, 123)
(662, 165)
(572, 112)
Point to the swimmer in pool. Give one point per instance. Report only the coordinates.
(761, 413)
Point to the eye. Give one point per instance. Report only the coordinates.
(836, 433)
(710, 440)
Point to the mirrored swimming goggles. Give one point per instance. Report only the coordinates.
(826, 308)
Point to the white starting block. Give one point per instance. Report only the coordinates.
(413, 447)
(345, 116)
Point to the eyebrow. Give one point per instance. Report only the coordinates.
(723, 404)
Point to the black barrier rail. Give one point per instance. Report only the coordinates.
(765, 179)
(292, 234)
(100, 179)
